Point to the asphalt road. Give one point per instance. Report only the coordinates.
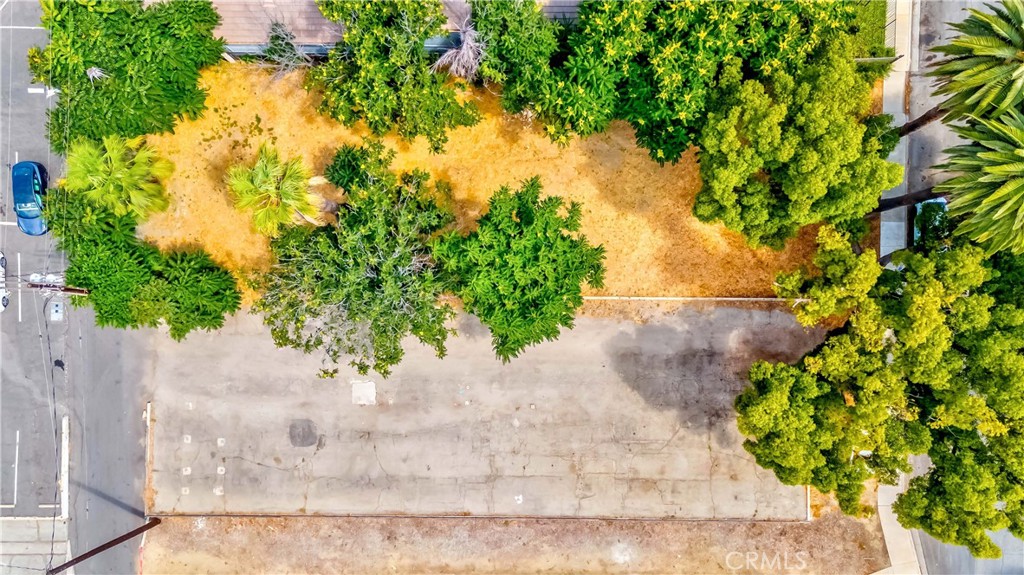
(31, 392)
(52, 367)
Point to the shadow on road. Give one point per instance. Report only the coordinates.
(109, 499)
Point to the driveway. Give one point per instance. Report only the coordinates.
(612, 420)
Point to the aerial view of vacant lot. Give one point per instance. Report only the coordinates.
(512, 286)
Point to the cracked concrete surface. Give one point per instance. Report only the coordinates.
(612, 420)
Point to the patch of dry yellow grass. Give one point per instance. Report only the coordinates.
(639, 211)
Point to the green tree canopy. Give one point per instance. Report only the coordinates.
(522, 270)
(519, 43)
(930, 362)
(358, 287)
(122, 175)
(275, 191)
(123, 69)
(380, 71)
(841, 281)
(988, 192)
(654, 64)
(794, 151)
(131, 283)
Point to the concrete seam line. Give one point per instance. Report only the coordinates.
(807, 496)
(688, 298)
(65, 437)
(165, 515)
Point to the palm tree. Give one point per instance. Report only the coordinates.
(275, 191)
(121, 174)
(982, 74)
(989, 192)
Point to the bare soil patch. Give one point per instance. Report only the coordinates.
(833, 544)
(640, 211)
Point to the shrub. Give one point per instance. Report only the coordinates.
(380, 71)
(519, 44)
(123, 69)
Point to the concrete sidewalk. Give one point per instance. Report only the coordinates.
(31, 545)
(611, 420)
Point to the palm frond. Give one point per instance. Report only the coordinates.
(988, 190)
(982, 73)
(122, 175)
(275, 192)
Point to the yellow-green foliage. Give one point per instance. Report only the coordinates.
(122, 175)
(794, 151)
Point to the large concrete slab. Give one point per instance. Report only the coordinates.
(612, 420)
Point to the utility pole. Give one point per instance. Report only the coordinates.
(53, 282)
(58, 288)
(113, 542)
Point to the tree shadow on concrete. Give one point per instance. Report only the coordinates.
(695, 363)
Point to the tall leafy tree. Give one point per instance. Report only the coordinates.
(654, 64)
(522, 270)
(988, 193)
(930, 361)
(380, 71)
(276, 191)
(841, 280)
(358, 287)
(779, 155)
(123, 68)
(123, 175)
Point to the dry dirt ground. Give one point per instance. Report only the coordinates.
(833, 544)
(640, 211)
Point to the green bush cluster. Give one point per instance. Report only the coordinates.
(380, 71)
(358, 287)
(654, 64)
(780, 154)
(123, 69)
(131, 283)
(519, 43)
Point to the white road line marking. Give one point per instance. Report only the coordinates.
(17, 450)
(4, 4)
(19, 287)
(21, 27)
(50, 92)
(8, 223)
(48, 506)
(65, 462)
(15, 156)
